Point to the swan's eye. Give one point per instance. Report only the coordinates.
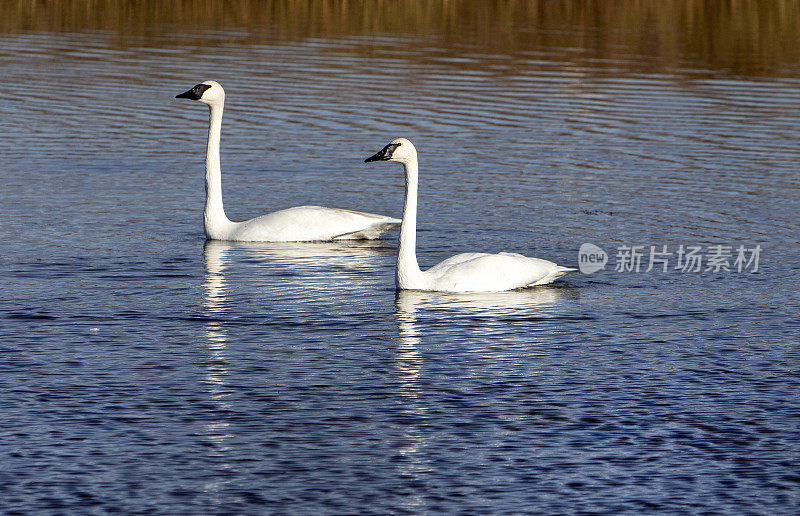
(200, 89)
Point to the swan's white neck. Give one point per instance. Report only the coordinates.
(215, 220)
(408, 274)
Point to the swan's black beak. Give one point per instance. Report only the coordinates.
(385, 154)
(195, 93)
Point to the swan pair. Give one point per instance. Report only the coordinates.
(468, 272)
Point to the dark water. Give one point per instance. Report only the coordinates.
(146, 371)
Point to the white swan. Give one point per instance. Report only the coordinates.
(468, 272)
(299, 224)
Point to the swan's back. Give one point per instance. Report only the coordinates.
(482, 272)
(313, 223)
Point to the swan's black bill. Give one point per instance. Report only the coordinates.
(195, 93)
(385, 154)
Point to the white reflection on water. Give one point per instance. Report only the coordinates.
(332, 257)
(409, 360)
(534, 302)
(214, 297)
(304, 256)
(408, 364)
(216, 370)
(306, 273)
(535, 298)
(491, 307)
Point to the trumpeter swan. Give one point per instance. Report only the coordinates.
(468, 272)
(299, 224)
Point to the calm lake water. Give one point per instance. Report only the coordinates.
(147, 371)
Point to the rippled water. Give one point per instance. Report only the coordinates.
(146, 370)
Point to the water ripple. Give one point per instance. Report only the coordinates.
(292, 377)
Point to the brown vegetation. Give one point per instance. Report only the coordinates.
(749, 37)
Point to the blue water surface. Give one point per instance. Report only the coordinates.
(148, 371)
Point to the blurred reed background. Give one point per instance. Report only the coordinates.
(737, 37)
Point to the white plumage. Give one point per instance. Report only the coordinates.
(299, 224)
(467, 272)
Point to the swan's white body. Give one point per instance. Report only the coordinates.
(467, 272)
(299, 224)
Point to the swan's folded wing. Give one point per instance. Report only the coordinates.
(480, 272)
(453, 261)
(353, 212)
(314, 223)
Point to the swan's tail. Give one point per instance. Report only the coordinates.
(372, 232)
(554, 275)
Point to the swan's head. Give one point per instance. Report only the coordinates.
(208, 92)
(400, 150)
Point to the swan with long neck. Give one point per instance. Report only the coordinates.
(467, 272)
(299, 224)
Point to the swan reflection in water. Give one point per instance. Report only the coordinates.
(292, 270)
(214, 299)
(214, 308)
(530, 302)
(483, 313)
(263, 270)
(288, 268)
